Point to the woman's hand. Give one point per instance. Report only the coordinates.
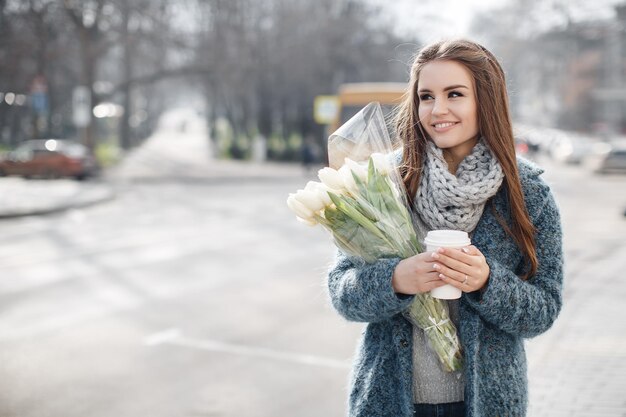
(465, 268)
(416, 275)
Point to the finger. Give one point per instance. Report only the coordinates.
(471, 250)
(469, 255)
(429, 286)
(427, 267)
(453, 282)
(451, 273)
(432, 276)
(451, 263)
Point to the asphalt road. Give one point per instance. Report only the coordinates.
(193, 293)
(191, 296)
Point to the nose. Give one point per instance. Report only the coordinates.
(440, 107)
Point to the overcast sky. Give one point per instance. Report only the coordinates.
(431, 20)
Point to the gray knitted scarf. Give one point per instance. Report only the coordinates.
(446, 201)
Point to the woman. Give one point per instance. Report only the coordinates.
(460, 172)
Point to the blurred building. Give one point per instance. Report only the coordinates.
(573, 77)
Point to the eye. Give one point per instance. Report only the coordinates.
(453, 94)
(425, 97)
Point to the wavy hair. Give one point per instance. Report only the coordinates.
(494, 123)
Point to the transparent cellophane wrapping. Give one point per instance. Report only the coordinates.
(373, 221)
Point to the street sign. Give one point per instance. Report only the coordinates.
(81, 105)
(39, 102)
(326, 109)
(39, 94)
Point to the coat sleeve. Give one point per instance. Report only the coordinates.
(362, 292)
(526, 308)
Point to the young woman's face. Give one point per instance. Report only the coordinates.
(447, 106)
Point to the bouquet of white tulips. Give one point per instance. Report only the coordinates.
(363, 206)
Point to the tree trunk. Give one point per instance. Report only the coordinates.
(87, 79)
(124, 126)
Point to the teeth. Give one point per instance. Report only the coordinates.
(442, 125)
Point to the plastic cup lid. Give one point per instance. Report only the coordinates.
(447, 238)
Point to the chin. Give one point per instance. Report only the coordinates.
(446, 143)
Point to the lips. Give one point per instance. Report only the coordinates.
(443, 126)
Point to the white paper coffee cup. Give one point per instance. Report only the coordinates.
(446, 239)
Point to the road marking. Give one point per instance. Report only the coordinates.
(175, 337)
(162, 337)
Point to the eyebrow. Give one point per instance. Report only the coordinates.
(452, 87)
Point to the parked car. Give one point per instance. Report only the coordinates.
(572, 148)
(612, 158)
(532, 141)
(524, 147)
(49, 158)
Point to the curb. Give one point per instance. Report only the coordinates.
(32, 197)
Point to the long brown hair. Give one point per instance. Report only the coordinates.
(494, 124)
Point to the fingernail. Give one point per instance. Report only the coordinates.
(466, 250)
(440, 250)
(441, 276)
(435, 256)
(435, 266)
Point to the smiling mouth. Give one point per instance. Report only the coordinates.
(444, 125)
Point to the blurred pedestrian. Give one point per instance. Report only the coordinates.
(309, 154)
(259, 148)
(460, 171)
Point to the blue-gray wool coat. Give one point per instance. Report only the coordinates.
(493, 323)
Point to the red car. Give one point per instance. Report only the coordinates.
(49, 158)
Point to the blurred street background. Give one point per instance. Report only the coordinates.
(149, 265)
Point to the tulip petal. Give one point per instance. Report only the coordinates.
(358, 169)
(298, 208)
(310, 200)
(381, 162)
(331, 178)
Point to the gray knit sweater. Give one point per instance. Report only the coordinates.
(494, 322)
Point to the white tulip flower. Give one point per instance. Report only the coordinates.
(298, 208)
(347, 178)
(381, 162)
(359, 169)
(331, 178)
(310, 199)
(322, 192)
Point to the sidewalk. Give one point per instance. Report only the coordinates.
(578, 367)
(27, 197)
(173, 155)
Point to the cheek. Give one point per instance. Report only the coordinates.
(475, 120)
(473, 113)
(470, 115)
(423, 113)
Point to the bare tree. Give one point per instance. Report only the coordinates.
(268, 60)
(261, 62)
